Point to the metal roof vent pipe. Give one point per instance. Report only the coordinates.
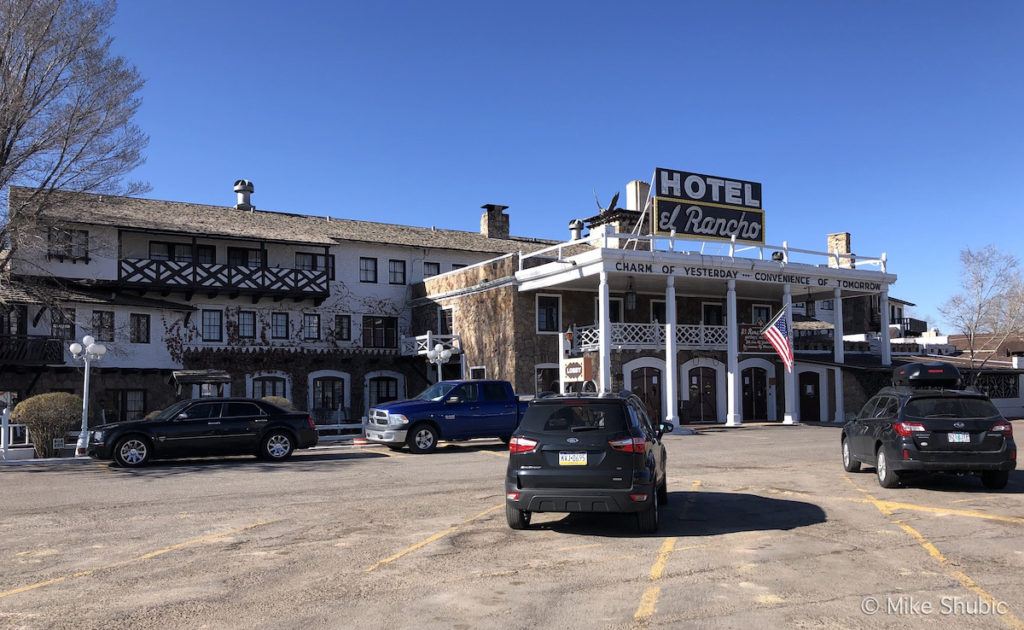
(575, 230)
(244, 190)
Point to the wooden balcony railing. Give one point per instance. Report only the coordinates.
(30, 350)
(186, 276)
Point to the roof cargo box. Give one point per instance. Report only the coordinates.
(934, 374)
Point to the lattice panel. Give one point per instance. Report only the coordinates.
(716, 335)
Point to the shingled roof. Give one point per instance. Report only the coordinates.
(223, 221)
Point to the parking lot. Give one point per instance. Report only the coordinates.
(763, 529)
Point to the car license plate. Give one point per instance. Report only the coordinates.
(572, 459)
(959, 438)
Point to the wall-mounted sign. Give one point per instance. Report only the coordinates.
(751, 339)
(711, 271)
(577, 370)
(707, 207)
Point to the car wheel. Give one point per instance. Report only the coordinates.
(647, 521)
(132, 451)
(849, 463)
(422, 439)
(277, 446)
(995, 479)
(887, 477)
(517, 519)
(663, 492)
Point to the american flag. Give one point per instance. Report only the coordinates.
(777, 334)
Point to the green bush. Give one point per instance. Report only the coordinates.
(48, 416)
(278, 401)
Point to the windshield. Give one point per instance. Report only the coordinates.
(573, 417)
(172, 411)
(437, 391)
(950, 408)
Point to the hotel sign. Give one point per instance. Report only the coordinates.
(577, 370)
(706, 207)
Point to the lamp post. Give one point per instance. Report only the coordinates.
(439, 355)
(88, 351)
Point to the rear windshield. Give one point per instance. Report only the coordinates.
(950, 408)
(570, 418)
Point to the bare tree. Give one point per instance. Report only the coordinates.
(989, 309)
(66, 111)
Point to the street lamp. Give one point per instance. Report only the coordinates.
(88, 351)
(439, 355)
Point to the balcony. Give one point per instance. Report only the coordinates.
(30, 350)
(625, 336)
(172, 275)
(911, 327)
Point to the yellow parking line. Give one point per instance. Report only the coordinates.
(649, 600)
(429, 539)
(913, 507)
(145, 556)
(502, 454)
(965, 580)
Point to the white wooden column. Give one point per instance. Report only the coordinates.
(671, 354)
(792, 415)
(883, 307)
(839, 352)
(734, 416)
(605, 335)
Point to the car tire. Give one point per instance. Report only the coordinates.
(647, 521)
(277, 446)
(396, 447)
(995, 479)
(132, 451)
(517, 519)
(887, 477)
(422, 439)
(663, 492)
(849, 463)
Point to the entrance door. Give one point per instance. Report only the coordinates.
(755, 394)
(646, 383)
(703, 385)
(810, 397)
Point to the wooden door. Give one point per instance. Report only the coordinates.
(646, 383)
(755, 394)
(810, 397)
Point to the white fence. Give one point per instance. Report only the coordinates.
(652, 336)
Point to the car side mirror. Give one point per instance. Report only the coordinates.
(452, 400)
(182, 416)
(667, 427)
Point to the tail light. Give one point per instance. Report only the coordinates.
(1003, 427)
(629, 445)
(512, 496)
(638, 498)
(522, 445)
(310, 423)
(904, 429)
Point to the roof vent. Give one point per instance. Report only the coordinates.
(244, 190)
(575, 230)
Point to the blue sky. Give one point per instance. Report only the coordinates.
(900, 122)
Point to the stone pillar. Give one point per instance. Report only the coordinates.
(671, 353)
(792, 415)
(883, 307)
(838, 352)
(605, 338)
(733, 417)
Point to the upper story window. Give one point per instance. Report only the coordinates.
(396, 272)
(279, 325)
(343, 327)
(431, 269)
(368, 270)
(244, 257)
(445, 321)
(182, 252)
(213, 326)
(311, 326)
(68, 244)
(247, 324)
(761, 314)
(315, 262)
(380, 332)
(62, 323)
(103, 325)
(457, 266)
(827, 305)
(138, 325)
(549, 313)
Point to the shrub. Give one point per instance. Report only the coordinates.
(278, 401)
(48, 416)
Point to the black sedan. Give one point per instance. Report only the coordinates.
(206, 426)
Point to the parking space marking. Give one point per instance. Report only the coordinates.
(913, 507)
(965, 580)
(146, 556)
(501, 454)
(649, 600)
(429, 539)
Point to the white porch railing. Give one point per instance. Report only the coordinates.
(420, 344)
(626, 336)
(17, 435)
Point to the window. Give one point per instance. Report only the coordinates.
(343, 327)
(712, 314)
(396, 272)
(760, 313)
(159, 251)
(658, 315)
(242, 410)
(180, 252)
(247, 324)
(368, 270)
(457, 266)
(103, 325)
(445, 321)
(310, 326)
(546, 379)
(494, 392)
(431, 269)
(62, 323)
(63, 243)
(614, 310)
(380, 332)
(203, 411)
(211, 390)
(477, 372)
(827, 305)
(129, 404)
(244, 257)
(315, 262)
(549, 313)
(138, 325)
(206, 254)
(328, 399)
(213, 326)
(383, 389)
(263, 386)
(279, 325)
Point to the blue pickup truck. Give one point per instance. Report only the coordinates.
(448, 410)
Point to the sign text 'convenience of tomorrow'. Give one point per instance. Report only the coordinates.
(707, 207)
(770, 277)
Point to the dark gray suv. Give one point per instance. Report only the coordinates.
(578, 453)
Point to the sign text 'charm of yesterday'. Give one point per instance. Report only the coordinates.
(707, 207)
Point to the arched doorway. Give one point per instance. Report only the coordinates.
(646, 383)
(703, 388)
(810, 396)
(755, 394)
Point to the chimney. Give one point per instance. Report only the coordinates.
(494, 221)
(575, 230)
(636, 194)
(244, 190)
(839, 243)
